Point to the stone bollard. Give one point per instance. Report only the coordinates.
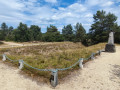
(54, 78)
(99, 52)
(92, 56)
(81, 63)
(21, 64)
(4, 58)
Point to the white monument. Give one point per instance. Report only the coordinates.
(111, 38)
(110, 47)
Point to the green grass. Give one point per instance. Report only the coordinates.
(50, 56)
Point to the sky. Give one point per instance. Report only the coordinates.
(55, 12)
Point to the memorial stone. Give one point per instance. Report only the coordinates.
(110, 47)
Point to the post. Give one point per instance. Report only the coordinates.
(99, 52)
(81, 63)
(4, 58)
(54, 78)
(21, 64)
(92, 56)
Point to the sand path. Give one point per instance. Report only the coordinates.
(103, 73)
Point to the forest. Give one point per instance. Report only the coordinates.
(99, 31)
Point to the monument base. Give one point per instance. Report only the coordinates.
(110, 48)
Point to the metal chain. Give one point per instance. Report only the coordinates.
(53, 69)
(89, 57)
(11, 59)
(70, 66)
(37, 68)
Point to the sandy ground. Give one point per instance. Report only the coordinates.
(103, 73)
(13, 44)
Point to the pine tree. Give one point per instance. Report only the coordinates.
(10, 36)
(35, 33)
(103, 24)
(67, 32)
(21, 33)
(52, 34)
(3, 31)
(80, 32)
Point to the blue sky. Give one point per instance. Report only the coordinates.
(55, 12)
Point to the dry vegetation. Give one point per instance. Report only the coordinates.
(1, 43)
(49, 56)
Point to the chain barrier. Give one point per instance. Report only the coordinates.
(88, 57)
(11, 59)
(53, 69)
(54, 74)
(37, 68)
(70, 66)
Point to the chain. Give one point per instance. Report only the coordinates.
(53, 69)
(70, 66)
(11, 59)
(37, 68)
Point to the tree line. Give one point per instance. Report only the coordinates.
(99, 31)
(23, 33)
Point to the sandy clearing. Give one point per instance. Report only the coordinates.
(103, 73)
(14, 44)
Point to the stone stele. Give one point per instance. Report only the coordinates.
(110, 47)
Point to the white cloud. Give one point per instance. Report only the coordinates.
(89, 15)
(92, 2)
(51, 1)
(11, 12)
(77, 7)
(109, 3)
(101, 3)
(14, 11)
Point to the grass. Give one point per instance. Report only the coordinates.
(50, 56)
